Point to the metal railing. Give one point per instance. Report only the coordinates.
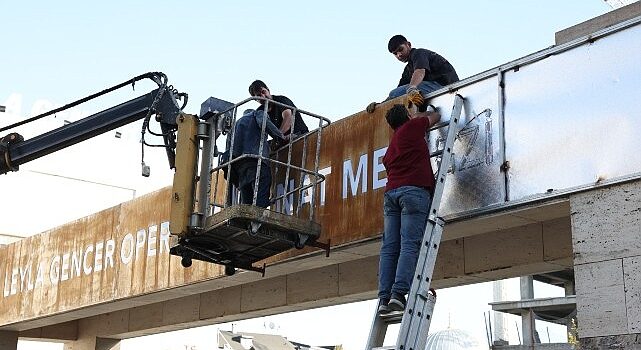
(290, 158)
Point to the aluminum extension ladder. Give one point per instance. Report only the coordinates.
(415, 320)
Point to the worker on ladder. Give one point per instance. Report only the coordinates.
(410, 184)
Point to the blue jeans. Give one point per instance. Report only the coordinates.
(425, 87)
(406, 209)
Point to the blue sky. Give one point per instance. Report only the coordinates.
(330, 57)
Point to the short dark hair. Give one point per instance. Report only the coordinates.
(397, 116)
(254, 88)
(395, 42)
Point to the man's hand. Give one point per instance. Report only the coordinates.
(279, 142)
(414, 95)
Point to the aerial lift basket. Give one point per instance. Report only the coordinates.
(208, 223)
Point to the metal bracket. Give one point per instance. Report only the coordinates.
(254, 227)
(325, 246)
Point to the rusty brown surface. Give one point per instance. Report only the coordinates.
(24, 297)
(343, 221)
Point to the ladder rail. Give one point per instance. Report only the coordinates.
(420, 304)
(377, 330)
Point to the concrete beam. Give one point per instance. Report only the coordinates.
(507, 219)
(461, 261)
(451, 269)
(59, 332)
(548, 308)
(93, 344)
(312, 280)
(541, 304)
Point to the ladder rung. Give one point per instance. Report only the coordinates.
(392, 317)
(437, 153)
(384, 348)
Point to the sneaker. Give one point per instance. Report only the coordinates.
(397, 303)
(382, 306)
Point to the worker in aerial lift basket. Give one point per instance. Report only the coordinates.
(281, 116)
(410, 184)
(425, 72)
(248, 137)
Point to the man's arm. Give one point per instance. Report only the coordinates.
(287, 121)
(417, 77)
(271, 129)
(432, 116)
(421, 65)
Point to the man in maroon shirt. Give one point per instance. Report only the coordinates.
(410, 182)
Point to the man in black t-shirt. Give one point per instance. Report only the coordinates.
(426, 71)
(281, 116)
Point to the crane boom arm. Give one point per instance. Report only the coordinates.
(15, 150)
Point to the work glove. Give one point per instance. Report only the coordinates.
(371, 107)
(414, 96)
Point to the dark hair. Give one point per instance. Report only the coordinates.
(255, 87)
(395, 42)
(397, 116)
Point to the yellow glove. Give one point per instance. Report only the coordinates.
(414, 96)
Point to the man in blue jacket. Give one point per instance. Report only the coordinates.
(248, 139)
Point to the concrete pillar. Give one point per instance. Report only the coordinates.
(8, 340)
(569, 290)
(500, 321)
(528, 324)
(89, 338)
(607, 266)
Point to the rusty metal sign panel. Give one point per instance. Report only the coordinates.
(114, 254)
